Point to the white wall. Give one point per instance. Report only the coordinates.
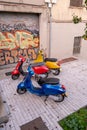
(83, 53)
(63, 39)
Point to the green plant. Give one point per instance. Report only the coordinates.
(75, 121)
(76, 19)
(85, 4)
(85, 35)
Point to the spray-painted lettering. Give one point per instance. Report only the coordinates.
(9, 57)
(17, 38)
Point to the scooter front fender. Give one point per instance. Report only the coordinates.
(21, 85)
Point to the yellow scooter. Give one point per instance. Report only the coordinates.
(51, 63)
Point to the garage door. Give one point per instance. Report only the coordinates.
(19, 32)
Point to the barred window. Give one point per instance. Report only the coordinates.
(76, 3)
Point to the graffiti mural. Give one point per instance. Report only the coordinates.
(9, 57)
(15, 38)
(18, 39)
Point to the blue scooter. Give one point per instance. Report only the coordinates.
(48, 87)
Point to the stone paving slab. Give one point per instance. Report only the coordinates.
(26, 107)
(4, 114)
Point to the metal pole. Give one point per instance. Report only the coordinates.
(50, 32)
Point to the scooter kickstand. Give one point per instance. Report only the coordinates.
(45, 99)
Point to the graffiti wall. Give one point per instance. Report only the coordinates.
(18, 33)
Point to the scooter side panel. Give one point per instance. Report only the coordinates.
(52, 65)
(53, 89)
(15, 71)
(40, 69)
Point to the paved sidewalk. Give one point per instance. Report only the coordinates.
(26, 107)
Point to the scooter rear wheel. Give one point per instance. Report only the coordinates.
(56, 71)
(59, 98)
(21, 90)
(14, 77)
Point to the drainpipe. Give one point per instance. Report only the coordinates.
(50, 30)
(50, 5)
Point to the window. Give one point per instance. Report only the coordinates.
(76, 3)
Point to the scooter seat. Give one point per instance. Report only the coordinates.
(50, 59)
(37, 64)
(52, 81)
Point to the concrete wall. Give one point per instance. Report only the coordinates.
(63, 39)
(62, 11)
(64, 30)
(30, 2)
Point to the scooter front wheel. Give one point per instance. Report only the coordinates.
(14, 77)
(59, 98)
(56, 71)
(21, 90)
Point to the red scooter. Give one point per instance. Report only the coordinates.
(39, 68)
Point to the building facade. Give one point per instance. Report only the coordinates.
(67, 36)
(23, 28)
